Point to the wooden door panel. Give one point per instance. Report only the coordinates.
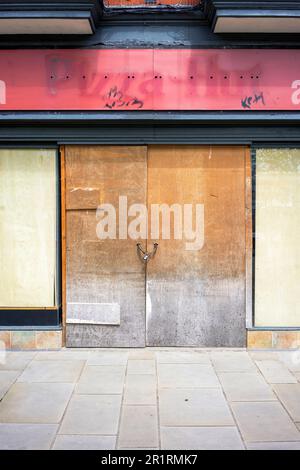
(194, 298)
(197, 298)
(100, 174)
(105, 278)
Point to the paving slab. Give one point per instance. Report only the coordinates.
(140, 389)
(139, 448)
(182, 357)
(245, 386)
(27, 436)
(17, 360)
(139, 427)
(289, 395)
(273, 446)
(110, 358)
(63, 355)
(92, 414)
(276, 372)
(264, 355)
(194, 407)
(291, 359)
(232, 361)
(35, 403)
(7, 378)
(101, 380)
(141, 354)
(187, 376)
(141, 366)
(82, 442)
(201, 438)
(198, 392)
(264, 422)
(52, 371)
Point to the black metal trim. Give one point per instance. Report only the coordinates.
(260, 13)
(32, 15)
(273, 328)
(67, 9)
(58, 245)
(169, 128)
(18, 145)
(29, 318)
(158, 32)
(121, 117)
(215, 9)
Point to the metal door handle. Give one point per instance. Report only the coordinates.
(146, 255)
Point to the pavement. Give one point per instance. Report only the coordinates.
(154, 398)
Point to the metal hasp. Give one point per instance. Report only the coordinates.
(146, 255)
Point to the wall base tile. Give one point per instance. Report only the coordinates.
(30, 340)
(286, 339)
(23, 340)
(5, 340)
(259, 339)
(265, 339)
(48, 339)
(256, 339)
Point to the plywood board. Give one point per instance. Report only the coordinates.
(197, 298)
(104, 271)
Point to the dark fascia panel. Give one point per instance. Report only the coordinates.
(138, 128)
(216, 9)
(89, 10)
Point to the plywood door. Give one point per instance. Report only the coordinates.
(105, 278)
(197, 298)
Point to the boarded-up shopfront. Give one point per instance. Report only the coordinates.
(184, 295)
(149, 176)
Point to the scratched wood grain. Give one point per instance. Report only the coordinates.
(197, 298)
(104, 271)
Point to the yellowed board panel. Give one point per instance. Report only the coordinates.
(27, 227)
(277, 246)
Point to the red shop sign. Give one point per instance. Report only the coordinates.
(147, 79)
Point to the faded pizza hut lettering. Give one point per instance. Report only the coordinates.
(296, 93)
(2, 92)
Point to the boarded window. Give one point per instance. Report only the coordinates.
(27, 228)
(277, 246)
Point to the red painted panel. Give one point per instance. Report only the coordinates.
(152, 4)
(135, 79)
